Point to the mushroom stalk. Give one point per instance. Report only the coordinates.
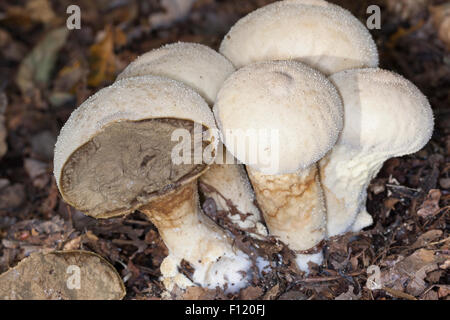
(280, 118)
(385, 116)
(191, 236)
(294, 210)
(346, 174)
(228, 185)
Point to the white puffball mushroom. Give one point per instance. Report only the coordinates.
(385, 116)
(196, 65)
(205, 70)
(114, 155)
(279, 118)
(317, 33)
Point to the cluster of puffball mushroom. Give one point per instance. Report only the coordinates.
(306, 70)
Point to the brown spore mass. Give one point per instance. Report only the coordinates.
(126, 165)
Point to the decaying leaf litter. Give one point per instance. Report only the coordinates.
(47, 72)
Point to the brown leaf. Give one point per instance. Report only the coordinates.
(12, 196)
(430, 295)
(445, 265)
(411, 271)
(426, 238)
(175, 10)
(3, 131)
(293, 295)
(417, 285)
(272, 293)
(198, 293)
(102, 60)
(444, 183)
(73, 244)
(10, 48)
(48, 277)
(440, 16)
(444, 291)
(37, 171)
(399, 294)
(390, 203)
(434, 276)
(430, 206)
(40, 10)
(349, 295)
(251, 293)
(407, 9)
(36, 68)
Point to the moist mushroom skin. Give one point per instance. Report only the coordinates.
(294, 210)
(128, 126)
(385, 116)
(319, 34)
(205, 70)
(305, 111)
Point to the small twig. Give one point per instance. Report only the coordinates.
(324, 279)
(399, 294)
(402, 187)
(142, 223)
(438, 242)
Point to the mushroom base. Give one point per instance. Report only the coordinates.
(191, 236)
(304, 259)
(293, 206)
(345, 175)
(125, 165)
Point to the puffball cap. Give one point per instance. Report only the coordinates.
(133, 99)
(383, 112)
(194, 64)
(296, 101)
(322, 35)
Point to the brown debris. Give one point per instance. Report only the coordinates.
(441, 19)
(430, 207)
(408, 275)
(64, 275)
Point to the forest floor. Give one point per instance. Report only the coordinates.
(45, 72)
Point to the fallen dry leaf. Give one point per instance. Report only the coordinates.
(102, 59)
(12, 196)
(3, 132)
(444, 291)
(175, 10)
(53, 276)
(349, 295)
(440, 16)
(37, 171)
(40, 10)
(251, 293)
(272, 293)
(407, 8)
(390, 203)
(430, 206)
(408, 274)
(36, 68)
(198, 293)
(427, 238)
(293, 295)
